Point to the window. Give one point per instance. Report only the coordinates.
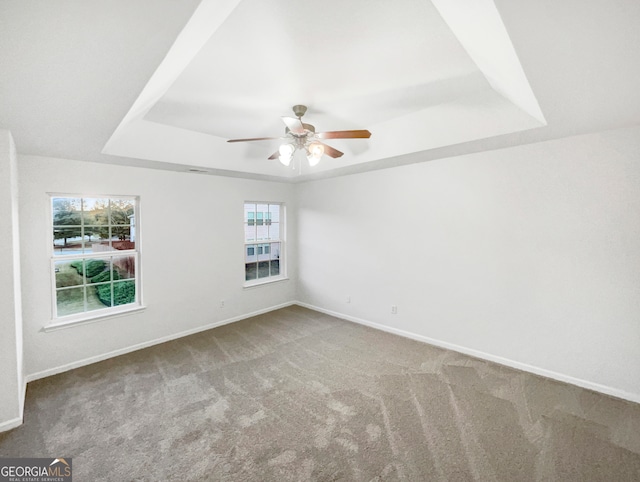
(263, 240)
(95, 259)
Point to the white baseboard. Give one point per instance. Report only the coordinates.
(614, 392)
(16, 422)
(122, 351)
(9, 424)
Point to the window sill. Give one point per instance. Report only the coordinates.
(59, 325)
(266, 281)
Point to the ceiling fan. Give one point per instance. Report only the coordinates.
(301, 136)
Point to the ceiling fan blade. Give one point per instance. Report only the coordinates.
(254, 139)
(356, 134)
(330, 151)
(275, 155)
(294, 125)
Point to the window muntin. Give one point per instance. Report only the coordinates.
(95, 256)
(263, 241)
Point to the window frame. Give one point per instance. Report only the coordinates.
(281, 240)
(57, 321)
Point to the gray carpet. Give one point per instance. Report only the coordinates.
(298, 395)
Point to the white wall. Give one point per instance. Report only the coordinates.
(191, 240)
(12, 385)
(527, 255)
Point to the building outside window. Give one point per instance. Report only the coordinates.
(264, 243)
(95, 256)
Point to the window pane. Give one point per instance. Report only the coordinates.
(121, 237)
(261, 213)
(104, 277)
(124, 293)
(93, 301)
(98, 246)
(262, 256)
(67, 240)
(93, 267)
(122, 211)
(250, 271)
(91, 239)
(102, 293)
(95, 211)
(266, 249)
(263, 269)
(88, 239)
(275, 251)
(68, 273)
(66, 222)
(249, 233)
(274, 231)
(249, 212)
(100, 234)
(117, 241)
(66, 210)
(263, 232)
(249, 222)
(70, 301)
(251, 254)
(275, 267)
(124, 267)
(274, 213)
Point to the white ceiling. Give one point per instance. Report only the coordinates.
(164, 84)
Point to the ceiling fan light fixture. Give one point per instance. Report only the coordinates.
(286, 153)
(315, 152)
(301, 136)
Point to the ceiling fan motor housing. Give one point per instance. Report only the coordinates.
(299, 110)
(308, 127)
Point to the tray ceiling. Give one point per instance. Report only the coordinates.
(163, 84)
(418, 77)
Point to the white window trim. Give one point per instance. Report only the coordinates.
(116, 313)
(264, 281)
(283, 246)
(103, 313)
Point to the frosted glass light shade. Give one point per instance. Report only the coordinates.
(315, 153)
(286, 153)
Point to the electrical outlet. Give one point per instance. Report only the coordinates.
(348, 299)
(394, 310)
(221, 303)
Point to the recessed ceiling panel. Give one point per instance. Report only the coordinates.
(395, 68)
(272, 54)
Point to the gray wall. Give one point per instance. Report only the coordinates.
(527, 255)
(192, 257)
